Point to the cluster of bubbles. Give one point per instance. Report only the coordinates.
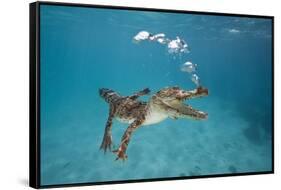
(175, 46)
(191, 68)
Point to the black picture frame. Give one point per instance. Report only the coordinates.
(34, 93)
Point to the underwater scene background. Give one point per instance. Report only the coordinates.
(84, 49)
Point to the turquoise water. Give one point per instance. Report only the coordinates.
(84, 49)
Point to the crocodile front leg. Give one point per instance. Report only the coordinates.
(121, 151)
(107, 137)
(140, 93)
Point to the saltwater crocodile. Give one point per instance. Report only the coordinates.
(166, 103)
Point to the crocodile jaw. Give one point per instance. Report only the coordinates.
(180, 110)
(171, 102)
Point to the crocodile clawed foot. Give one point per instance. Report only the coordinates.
(120, 154)
(106, 143)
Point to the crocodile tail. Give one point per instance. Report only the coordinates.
(109, 95)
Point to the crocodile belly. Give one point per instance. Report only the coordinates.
(154, 117)
(125, 120)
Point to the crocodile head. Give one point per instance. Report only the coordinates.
(171, 100)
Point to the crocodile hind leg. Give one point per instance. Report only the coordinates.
(107, 137)
(121, 151)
